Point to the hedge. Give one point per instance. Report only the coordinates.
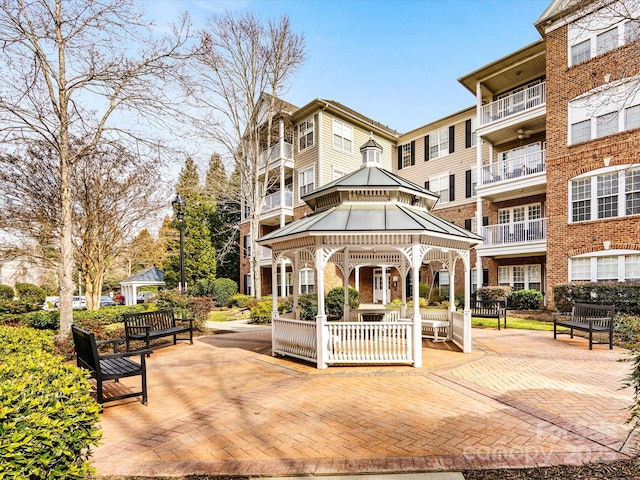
(222, 289)
(625, 296)
(49, 422)
(6, 292)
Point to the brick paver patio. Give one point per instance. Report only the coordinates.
(225, 406)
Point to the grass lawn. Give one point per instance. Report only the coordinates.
(513, 322)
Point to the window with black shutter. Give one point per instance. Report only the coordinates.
(467, 134)
(400, 157)
(467, 224)
(426, 148)
(467, 184)
(452, 188)
(452, 139)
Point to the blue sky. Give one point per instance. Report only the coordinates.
(395, 61)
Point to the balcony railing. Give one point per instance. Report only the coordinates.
(265, 253)
(515, 103)
(516, 232)
(515, 167)
(273, 201)
(278, 151)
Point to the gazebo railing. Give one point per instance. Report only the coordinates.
(295, 338)
(457, 328)
(369, 342)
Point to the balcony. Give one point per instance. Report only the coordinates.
(279, 152)
(514, 177)
(274, 205)
(514, 104)
(516, 238)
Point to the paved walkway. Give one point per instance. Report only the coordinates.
(225, 406)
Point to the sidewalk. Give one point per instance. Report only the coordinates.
(225, 406)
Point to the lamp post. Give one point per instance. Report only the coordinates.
(178, 205)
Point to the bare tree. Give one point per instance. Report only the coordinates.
(78, 69)
(247, 66)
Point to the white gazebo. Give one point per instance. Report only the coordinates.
(152, 276)
(370, 217)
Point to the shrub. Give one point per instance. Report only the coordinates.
(41, 320)
(308, 305)
(334, 304)
(624, 296)
(49, 420)
(438, 295)
(222, 290)
(261, 312)
(526, 299)
(423, 289)
(633, 381)
(627, 326)
(30, 293)
(200, 288)
(17, 307)
(239, 300)
(494, 293)
(6, 292)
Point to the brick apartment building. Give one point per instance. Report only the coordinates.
(545, 166)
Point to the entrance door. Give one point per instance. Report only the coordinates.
(377, 286)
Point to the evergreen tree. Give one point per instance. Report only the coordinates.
(199, 253)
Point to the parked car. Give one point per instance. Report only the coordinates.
(107, 302)
(79, 302)
(144, 297)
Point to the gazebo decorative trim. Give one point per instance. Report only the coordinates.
(150, 276)
(370, 217)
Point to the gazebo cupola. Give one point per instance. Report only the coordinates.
(371, 152)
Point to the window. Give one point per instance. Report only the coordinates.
(440, 185)
(581, 52)
(607, 41)
(338, 173)
(470, 139)
(606, 266)
(305, 134)
(289, 284)
(406, 155)
(342, 136)
(632, 192)
(307, 280)
(580, 131)
(443, 278)
(607, 195)
(606, 124)
(632, 117)
(306, 181)
(439, 143)
(615, 193)
(248, 284)
(471, 182)
(605, 110)
(520, 277)
(247, 245)
(631, 31)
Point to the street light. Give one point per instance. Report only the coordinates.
(178, 205)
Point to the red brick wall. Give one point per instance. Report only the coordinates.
(566, 161)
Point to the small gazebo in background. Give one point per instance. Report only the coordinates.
(370, 217)
(150, 277)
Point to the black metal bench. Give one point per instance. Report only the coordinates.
(586, 318)
(111, 366)
(148, 326)
(490, 309)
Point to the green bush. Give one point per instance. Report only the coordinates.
(30, 293)
(308, 305)
(494, 293)
(526, 299)
(222, 289)
(6, 292)
(633, 381)
(627, 326)
(17, 307)
(201, 288)
(239, 300)
(624, 296)
(423, 289)
(49, 420)
(261, 312)
(41, 320)
(438, 295)
(334, 302)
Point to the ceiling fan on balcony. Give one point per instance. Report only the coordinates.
(524, 133)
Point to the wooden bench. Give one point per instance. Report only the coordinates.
(586, 318)
(435, 323)
(490, 309)
(112, 366)
(148, 326)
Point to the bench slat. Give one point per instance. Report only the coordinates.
(149, 326)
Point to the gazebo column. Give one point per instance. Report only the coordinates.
(466, 335)
(403, 279)
(346, 316)
(295, 267)
(357, 278)
(321, 318)
(416, 260)
(274, 287)
(385, 286)
(452, 289)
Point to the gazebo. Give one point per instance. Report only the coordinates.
(370, 217)
(151, 276)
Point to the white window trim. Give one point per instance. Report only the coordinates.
(308, 276)
(593, 174)
(338, 172)
(342, 126)
(438, 178)
(306, 121)
(406, 155)
(437, 137)
(527, 279)
(621, 254)
(301, 185)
